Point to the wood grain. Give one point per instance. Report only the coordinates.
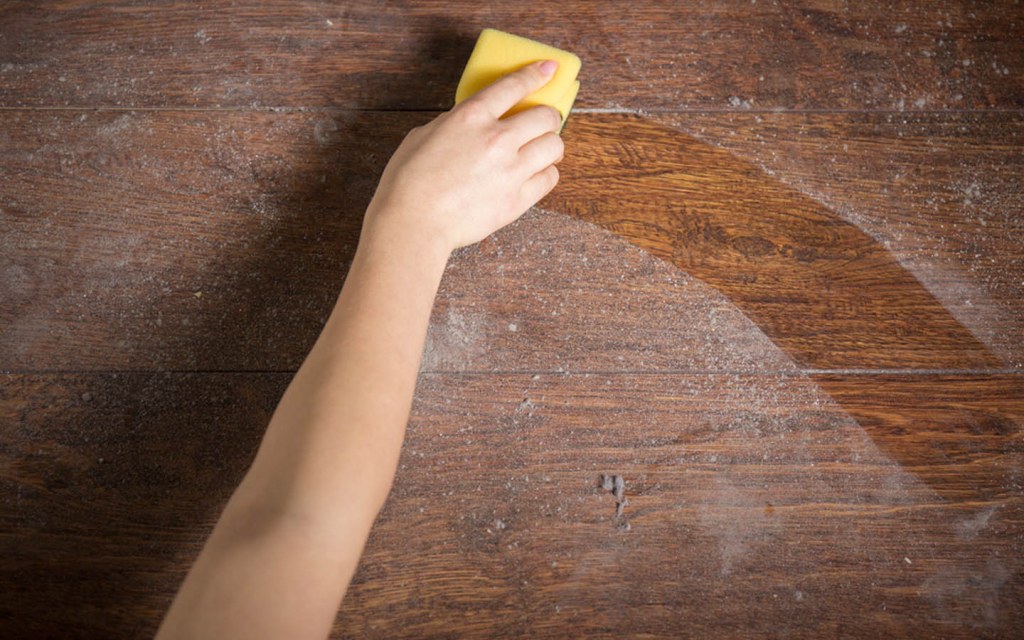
(921, 55)
(960, 434)
(756, 506)
(178, 240)
(830, 295)
(175, 240)
(748, 335)
(110, 484)
(943, 198)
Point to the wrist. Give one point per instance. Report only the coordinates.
(389, 232)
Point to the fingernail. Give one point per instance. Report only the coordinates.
(548, 67)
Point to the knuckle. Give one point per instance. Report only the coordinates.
(470, 111)
(498, 140)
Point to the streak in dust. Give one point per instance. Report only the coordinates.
(828, 294)
(831, 297)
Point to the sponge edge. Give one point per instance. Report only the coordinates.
(498, 53)
(564, 104)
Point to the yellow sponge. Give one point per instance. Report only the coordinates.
(498, 53)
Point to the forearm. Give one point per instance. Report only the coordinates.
(289, 541)
(343, 418)
(283, 551)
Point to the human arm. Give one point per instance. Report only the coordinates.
(284, 550)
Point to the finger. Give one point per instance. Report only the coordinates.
(500, 96)
(535, 122)
(537, 154)
(538, 186)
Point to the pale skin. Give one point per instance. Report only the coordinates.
(284, 550)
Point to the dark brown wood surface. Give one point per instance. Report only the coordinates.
(943, 199)
(755, 504)
(788, 261)
(649, 54)
(778, 292)
(225, 225)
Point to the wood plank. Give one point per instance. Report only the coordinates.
(941, 194)
(109, 485)
(176, 240)
(110, 237)
(407, 55)
(756, 506)
(551, 293)
(950, 431)
(829, 294)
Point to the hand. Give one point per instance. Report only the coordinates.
(469, 172)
